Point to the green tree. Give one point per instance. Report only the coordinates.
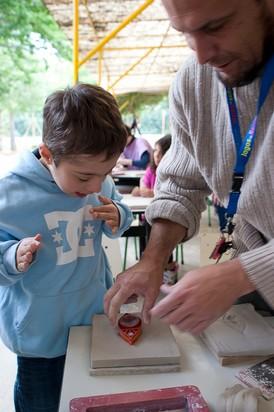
(150, 111)
(26, 28)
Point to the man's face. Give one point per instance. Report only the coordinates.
(235, 37)
(82, 175)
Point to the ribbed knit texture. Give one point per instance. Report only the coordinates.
(201, 160)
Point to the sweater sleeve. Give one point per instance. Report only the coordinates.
(180, 187)
(8, 271)
(256, 257)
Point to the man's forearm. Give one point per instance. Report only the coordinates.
(164, 237)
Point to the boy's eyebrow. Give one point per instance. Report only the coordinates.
(93, 174)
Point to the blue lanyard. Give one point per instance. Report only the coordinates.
(244, 148)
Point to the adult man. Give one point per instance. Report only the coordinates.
(233, 41)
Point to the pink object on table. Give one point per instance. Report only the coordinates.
(182, 398)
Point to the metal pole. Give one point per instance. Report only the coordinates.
(131, 68)
(113, 33)
(75, 41)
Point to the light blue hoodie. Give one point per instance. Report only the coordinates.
(66, 283)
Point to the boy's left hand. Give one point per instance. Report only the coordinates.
(107, 212)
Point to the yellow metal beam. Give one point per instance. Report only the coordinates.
(100, 61)
(114, 32)
(130, 68)
(124, 105)
(75, 40)
(109, 49)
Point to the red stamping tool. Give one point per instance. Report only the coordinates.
(220, 248)
(130, 327)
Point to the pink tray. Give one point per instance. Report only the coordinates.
(184, 398)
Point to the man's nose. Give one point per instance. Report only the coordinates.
(203, 45)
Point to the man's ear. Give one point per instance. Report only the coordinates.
(45, 154)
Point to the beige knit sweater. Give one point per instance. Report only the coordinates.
(201, 160)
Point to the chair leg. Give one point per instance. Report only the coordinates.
(125, 254)
(136, 248)
(182, 253)
(179, 249)
(208, 213)
(176, 254)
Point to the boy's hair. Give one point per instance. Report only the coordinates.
(164, 144)
(83, 119)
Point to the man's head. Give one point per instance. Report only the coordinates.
(235, 37)
(83, 136)
(83, 119)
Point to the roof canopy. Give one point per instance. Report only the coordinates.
(142, 57)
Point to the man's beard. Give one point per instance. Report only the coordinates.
(255, 71)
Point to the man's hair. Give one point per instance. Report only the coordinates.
(83, 119)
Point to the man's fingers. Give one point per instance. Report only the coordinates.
(116, 301)
(168, 304)
(109, 295)
(148, 303)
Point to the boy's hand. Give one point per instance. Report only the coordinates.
(26, 251)
(107, 212)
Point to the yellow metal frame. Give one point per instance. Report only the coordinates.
(75, 40)
(76, 63)
(130, 68)
(100, 47)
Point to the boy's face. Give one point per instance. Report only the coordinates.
(80, 176)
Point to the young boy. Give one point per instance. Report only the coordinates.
(55, 205)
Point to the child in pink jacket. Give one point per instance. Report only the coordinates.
(146, 188)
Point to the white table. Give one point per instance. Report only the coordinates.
(137, 203)
(199, 368)
(127, 179)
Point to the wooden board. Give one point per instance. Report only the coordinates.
(156, 349)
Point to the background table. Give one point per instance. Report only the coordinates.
(125, 181)
(199, 368)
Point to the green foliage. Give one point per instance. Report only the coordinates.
(26, 31)
(134, 103)
(150, 110)
(20, 19)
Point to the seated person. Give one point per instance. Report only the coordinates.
(146, 189)
(147, 183)
(137, 153)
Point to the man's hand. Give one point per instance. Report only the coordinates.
(143, 279)
(202, 296)
(107, 212)
(26, 251)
